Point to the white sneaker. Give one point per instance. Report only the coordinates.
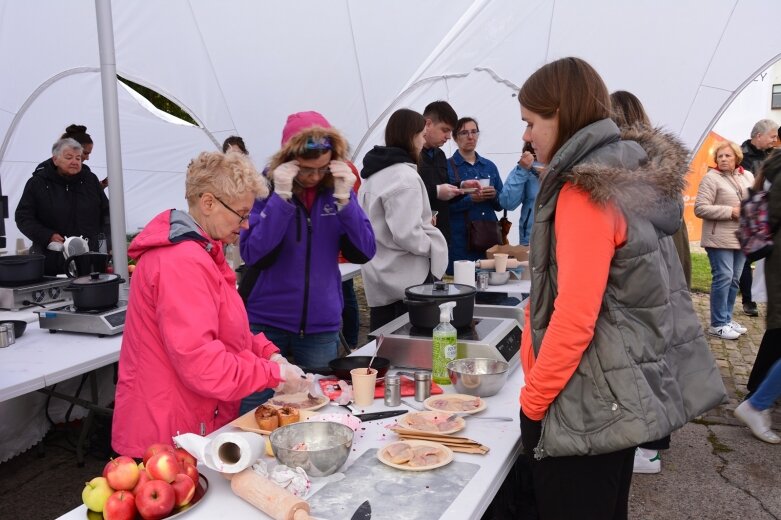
(737, 327)
(758, 422)
(647, 461)
(723, 332)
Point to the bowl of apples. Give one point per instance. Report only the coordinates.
(164, 485)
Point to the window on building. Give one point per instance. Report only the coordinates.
(775, 102)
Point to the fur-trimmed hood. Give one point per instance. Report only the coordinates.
(640, 169)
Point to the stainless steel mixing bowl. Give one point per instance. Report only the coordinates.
(481, 377)
(320, 448)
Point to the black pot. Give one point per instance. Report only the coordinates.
(96, 291)
(423, 303)
(21, 269)
(86, 264)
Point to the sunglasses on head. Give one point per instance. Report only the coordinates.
(318, 143)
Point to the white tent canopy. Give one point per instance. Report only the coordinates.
(241, 66)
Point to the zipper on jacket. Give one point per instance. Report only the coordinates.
(539, 450)
(306, 274)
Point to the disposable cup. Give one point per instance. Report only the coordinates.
(363, 385)
(484, 183)
(500, 262)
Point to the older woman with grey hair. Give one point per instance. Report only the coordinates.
(61, 199)
(188, 356)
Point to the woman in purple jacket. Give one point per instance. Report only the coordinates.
(295, 236)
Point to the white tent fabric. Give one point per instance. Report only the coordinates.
(241, 66)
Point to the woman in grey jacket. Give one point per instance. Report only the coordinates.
(409, 247)
(718, 205)
(612, 350)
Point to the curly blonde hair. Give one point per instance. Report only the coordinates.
(226, 175)
(295, 148)
(735, 149)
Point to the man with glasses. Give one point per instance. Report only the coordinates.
(293, 243)
(432, 166)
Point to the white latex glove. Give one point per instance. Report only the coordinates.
(294, 380)
(344, 180)
(283, 179)
(447, 191)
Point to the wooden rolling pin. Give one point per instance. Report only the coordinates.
(276, 502)
(488, 263)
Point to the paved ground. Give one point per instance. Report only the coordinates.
(714, 469)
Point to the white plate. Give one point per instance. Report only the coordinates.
(382, 455)
(455, 426)
(248, 423)
(432, 403)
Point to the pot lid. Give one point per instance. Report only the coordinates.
(97, 279)
(441, 290)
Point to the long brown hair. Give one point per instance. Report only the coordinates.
(571, 87)
(403, 125)
(627, 110)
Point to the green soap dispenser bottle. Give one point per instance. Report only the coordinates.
(444, 344)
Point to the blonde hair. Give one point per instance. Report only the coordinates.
(296, 148)
(225, 175)
(735, 149)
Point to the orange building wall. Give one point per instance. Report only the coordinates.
(697, 170)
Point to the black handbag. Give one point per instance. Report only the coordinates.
(480, 234)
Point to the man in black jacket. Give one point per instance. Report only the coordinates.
(432, 166)
(755, 151)
(62, 198)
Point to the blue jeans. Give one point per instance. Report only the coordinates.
(726, 266)
(311, 351)
(769, 390)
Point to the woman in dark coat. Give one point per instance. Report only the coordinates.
(61, 199)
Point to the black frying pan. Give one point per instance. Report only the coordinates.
(340, 367)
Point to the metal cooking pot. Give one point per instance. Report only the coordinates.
(423, 303)
(21, 269)
(85, 264)
(96, 291)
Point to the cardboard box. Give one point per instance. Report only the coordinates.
(521, 253)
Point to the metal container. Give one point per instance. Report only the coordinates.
(481, 377)
(96, 291)
(422, 385)
(392, 390)
(482, 281)
(326, 446)
(4, 339)
(423, 302)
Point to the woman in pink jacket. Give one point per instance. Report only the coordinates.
(188, 356)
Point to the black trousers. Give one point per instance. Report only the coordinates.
(594, 487)
(746, 279)
(769, 352)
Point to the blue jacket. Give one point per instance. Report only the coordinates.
(521, 190)
(482, 169)
(300, 288)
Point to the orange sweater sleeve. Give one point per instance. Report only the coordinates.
(587, 236)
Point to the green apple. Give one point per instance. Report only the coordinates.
(95, 493)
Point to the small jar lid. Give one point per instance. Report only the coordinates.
(392, 379)
(421, 375)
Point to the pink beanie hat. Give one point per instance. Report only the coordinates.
(301, 121)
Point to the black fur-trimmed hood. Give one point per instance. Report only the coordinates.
(640, 169)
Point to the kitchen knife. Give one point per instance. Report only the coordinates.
(380, 415)
(364, 512)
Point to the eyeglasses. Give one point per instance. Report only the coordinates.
(308, 172)
(465, 133)
(242, 218)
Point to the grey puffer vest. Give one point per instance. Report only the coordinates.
(648, 369)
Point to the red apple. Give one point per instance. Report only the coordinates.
(143, 478)
(156, 448)
(191, 471)
(155, 500)
(163, 466)
(184, 489)
(121, 505)
(121, 473)
(182, 455)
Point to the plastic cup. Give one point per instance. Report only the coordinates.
(363, 385)
(500, 262)
(484, 183)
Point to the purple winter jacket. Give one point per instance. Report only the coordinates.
(299, 288)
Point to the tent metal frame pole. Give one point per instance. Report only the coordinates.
(108, 80)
